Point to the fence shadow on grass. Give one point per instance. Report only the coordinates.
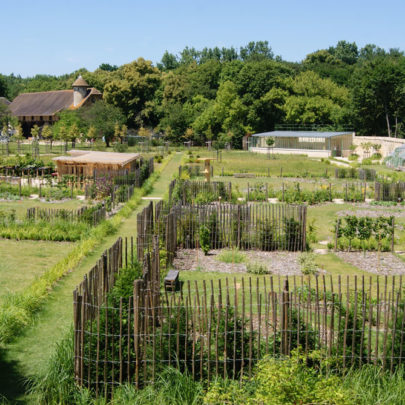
(12, 382)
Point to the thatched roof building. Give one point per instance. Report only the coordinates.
(42, 107)
(84, 163)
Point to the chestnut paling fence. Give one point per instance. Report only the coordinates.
(390, 191)
(224, 327)
(264, 227)
(92, 215)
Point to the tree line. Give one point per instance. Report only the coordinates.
(221, 94)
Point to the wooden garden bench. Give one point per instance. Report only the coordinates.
(172, 280)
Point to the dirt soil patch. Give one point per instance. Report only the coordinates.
(283, 263)
(389, 264)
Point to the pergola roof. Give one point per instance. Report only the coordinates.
(94, 157)
(302, 134)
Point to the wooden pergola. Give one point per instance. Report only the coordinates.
(85, 163)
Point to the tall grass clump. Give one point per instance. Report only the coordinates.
(56, 384)
(59, 231)
(373, 385)
(231, 256)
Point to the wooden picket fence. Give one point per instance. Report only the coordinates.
(190, 189)
(222, 328)
(389, 191)
(124, 176)
(264, 227)
(50, 214)
(353, 173)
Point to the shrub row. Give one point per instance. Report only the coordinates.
(364, 232)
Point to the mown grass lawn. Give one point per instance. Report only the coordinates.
(22, 261)
(291, 165)
(21, 206)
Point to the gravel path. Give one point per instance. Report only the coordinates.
(283, 263)
(389, 263)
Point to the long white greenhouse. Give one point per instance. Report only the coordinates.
(311, 143)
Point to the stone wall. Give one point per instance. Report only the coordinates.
(387, 144)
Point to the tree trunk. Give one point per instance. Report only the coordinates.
(396, 127)
(388, 123)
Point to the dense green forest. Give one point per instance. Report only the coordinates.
(222, 94)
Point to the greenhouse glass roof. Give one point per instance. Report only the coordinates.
(396, 158)
(302, 134)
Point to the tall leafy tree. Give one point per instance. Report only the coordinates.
(347, 52)
(256, 51)
(313, 100)
(103, 117)
(132, 91)
(378, 94)
(3, 87)
(169, 61)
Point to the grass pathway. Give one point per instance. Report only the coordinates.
(27, 355)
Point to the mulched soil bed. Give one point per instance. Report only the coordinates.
(389, 263)
(283, 263)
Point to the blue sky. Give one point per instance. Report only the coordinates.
(55, 37)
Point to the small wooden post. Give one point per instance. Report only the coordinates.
(337, 234)
(284, 318)
(393, 235)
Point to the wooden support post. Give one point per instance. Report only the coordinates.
(284, 318)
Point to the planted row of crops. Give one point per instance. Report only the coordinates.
(365, 233)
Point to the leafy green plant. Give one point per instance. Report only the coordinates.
(307, 263)
(283, 381)
(293, 234)
(257, 268)
(120, 147)
(311, 234)
(231, 256)
(204, 237)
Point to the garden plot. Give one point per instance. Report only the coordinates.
(365, 210)
(283, 263)
(384, 263)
